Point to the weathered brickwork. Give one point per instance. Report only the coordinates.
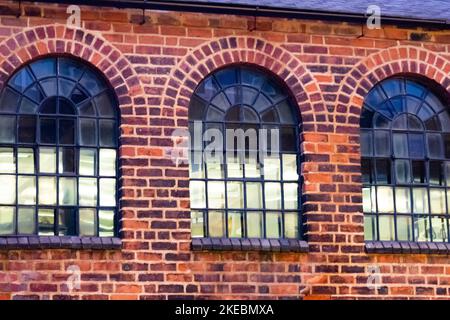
(154, 68)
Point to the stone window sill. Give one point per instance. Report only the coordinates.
(407, 247)
(63, 242)
(269, 245)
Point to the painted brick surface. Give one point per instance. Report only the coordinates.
(154, 68)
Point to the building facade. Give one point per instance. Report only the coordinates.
(352, 91)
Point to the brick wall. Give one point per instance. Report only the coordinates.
(154, 68)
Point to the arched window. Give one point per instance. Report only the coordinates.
(244, 193)
(58, 151)
(405, 147)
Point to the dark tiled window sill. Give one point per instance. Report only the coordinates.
(407, 247)
(63, 242)
(269, 245)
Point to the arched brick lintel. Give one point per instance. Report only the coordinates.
(379, 66)
(231, 50)
(40, 41)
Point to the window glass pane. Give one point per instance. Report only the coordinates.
(369, 200)
(216, 194)
(66, 222)
(91, 83)
(402, 200)
(290, 195)
(25, 160)
(26, 190)
(419, 171)
(9, 101)
(435, 149)
(254, 195)
(106, 223)
(27, 129)
(108, 162)
(26, 220)
(416, 146)
(197, 194)
(290, 167)
(370, 227)
(255, 228)
(392, 87)
(65, 87)
(400, 145)
(66, 160)
(383, 171)
(439, 226)
(385, 198)
(87, 132)
(366, 171)
(87, 222)
(404, 229)
(197, 108)
(7, 163)
(288, 138)
(420, 200)
(47, 160)
(105, 104)
(47, 190)
(272, 193)
(196, 165)
(8, 193)
(67, 131)
(67, 191)
(7, 129)
(87, 191)
(46, 220)
(48, 130)
(216, 224)
(252, 169)
(402, 171)
(273, 225)
(7, 220)
(387, 228)
(214, 169)
(197, 224)
(422, 228)
(107, 133)
(437, 201)
(44, 67)
(436, 173)
(366, 143)
(70, 68)
(382, 143)
(235, 194)
(87, 162)
(235, 166)
(272, 168)
(221, 102)
(108, 192)
(234, 224)
(291, 225)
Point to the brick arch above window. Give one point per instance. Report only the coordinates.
(379, 66)
(206, 58)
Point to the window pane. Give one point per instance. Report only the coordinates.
(9, 101)
(234, 224)
(272, 168)
(197, 194)
(7, 163)
(369, 200)
(66, 160)
(235, 167)
(107, 133)
(273, 225)
(254, 195)
(66, 221)
(7, 129)
(90, 82)
(370, 227)
(290, 167)
(108, 192)
(437, 201)
(383, 168)
(288, 139)
(27, 129)
(291, 225)
(87, 162)
(290, 195)
(254, 225)
(46, 220)
(216, 194)
(214, 169)
(420, 200)
(387, 228)
(402, 200)
(104, 103)
(416, 146)
(106, 223)
(216, 224)
(87, 222)
(8, 193)
(25, 160)
(366, 143)
(434, 145)
(26, 190)
(385, 198)
(47, 160)
(197, 224)
(252, 169)
(422, 229)
(47, 190)
(67, 191)
(26, 221)
(48, 130)
(87, 132)
(382, 143)
(108, 162)
(419, 171)
(272, 193)
(87, 191)
(7, 220)
(439, 225)
(404, 230)
(196, 165)
(235, 194)
(402, 171)
(400, 145)
(366, 171)
(67, 131)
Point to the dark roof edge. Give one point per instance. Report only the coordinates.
(253, 10)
